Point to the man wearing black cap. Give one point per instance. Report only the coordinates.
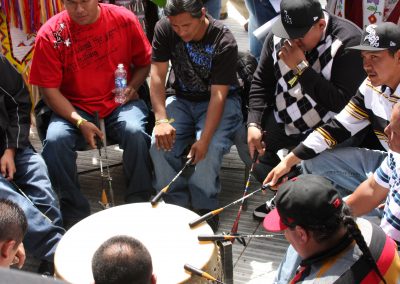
(372, 105)
(384, 184)
(305, 76)
(333, 248)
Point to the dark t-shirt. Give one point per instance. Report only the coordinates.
(197, 65)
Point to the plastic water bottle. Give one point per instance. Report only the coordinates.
(120, 83)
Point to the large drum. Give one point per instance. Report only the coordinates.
(163, 229)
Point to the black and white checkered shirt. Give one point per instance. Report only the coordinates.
(321, 91)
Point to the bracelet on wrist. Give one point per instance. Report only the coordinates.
(164, 120)
(79, 122)
(253, 124)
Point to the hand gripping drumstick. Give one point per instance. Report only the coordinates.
(201, 273)
(211, 214)
(99, 143)
(165, 189)
(244, 201)
(232, 237)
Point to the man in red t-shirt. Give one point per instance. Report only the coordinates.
(76, 54)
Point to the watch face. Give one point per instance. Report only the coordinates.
(300, 67)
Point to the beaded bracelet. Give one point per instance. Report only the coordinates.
(164, 120)
(79, 122)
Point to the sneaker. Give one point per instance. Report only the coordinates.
(261, 211)
(46, 268)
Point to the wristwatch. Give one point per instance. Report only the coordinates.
(303, 65)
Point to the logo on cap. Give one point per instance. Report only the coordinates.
(372, 37)
(287, 18)
(392, 43)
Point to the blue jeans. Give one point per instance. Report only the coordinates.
(260, 12)
(202, 186)
(346, 167)
(126, 125)
(288, 267)
(213, 8)
(32, 177)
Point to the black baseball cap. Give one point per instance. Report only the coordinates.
(297, 18)
(307, 201)
(379, 37)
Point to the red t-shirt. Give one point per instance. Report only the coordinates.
(80, 60)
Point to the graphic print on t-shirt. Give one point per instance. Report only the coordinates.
(192, 66)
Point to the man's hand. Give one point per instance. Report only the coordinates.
(291, 54)
(277, 172)
(165, 135)
(281, 169)
(254, 137)
(130, 95)
(89, 132)
(198, 151)
(20, 256)
(7, 164)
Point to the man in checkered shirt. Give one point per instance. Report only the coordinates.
(305, 76)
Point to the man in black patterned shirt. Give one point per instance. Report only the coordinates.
(200, 102)
(305, 76)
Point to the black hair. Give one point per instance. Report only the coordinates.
(344, 218)
(392, 51)
(176, 7)
(356, 234)
(13, 223)
(122, 260)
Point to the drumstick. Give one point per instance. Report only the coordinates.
(30, 201)
(201, 273)
(211, 214)
(165, 189)
(231, 237)
(99, 143)
(219, 210)
(246, 189)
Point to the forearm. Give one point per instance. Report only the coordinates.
(139, 75)
(157, 89)
(60, 105)
(366, 197)
(334, 93)
(215, 111)
(291, 160)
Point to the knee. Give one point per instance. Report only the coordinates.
(135, 133)
(57, 137)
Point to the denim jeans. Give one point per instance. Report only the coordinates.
(199, 188)
(288, 267)
(32, 177)
(260, 12)
(346, 167)
(126, 125)
(213, 8)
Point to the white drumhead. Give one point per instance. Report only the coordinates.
(163, 229)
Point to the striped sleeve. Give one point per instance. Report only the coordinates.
(352, 119)
(382, 174)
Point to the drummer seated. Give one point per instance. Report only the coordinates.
(122, 260)
(13, 226)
